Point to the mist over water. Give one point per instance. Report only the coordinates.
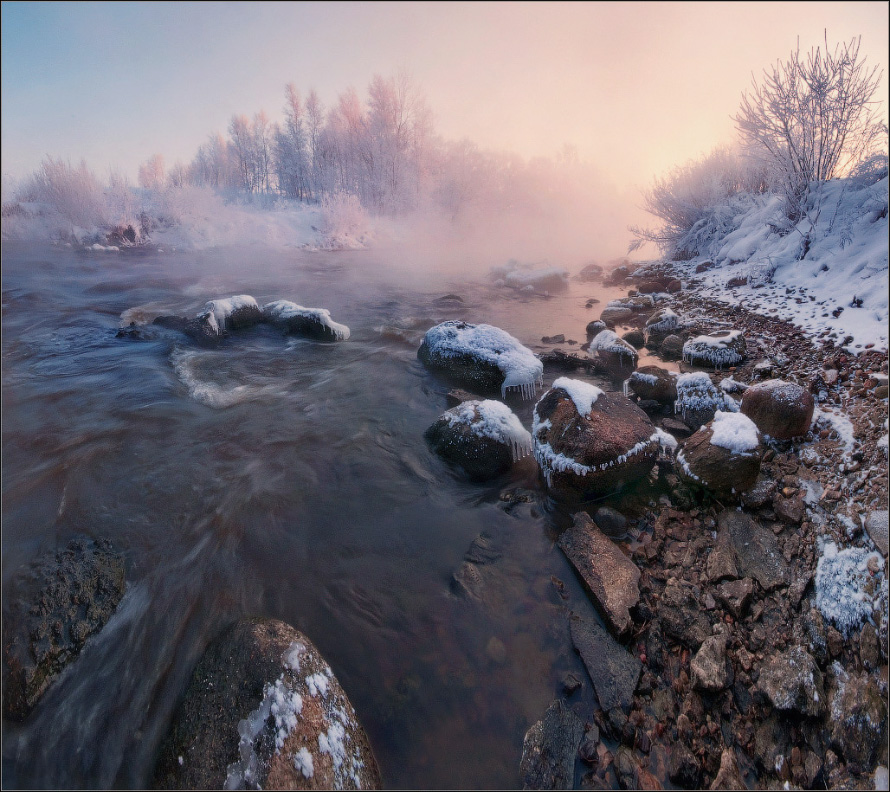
(279, 477)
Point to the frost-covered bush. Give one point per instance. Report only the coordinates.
(73, 193)
(342, 215)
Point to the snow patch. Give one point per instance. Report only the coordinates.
(735, 432)
(583, 394)
(303, 762)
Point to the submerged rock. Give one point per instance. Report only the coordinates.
(780, 409)
(482, 437)
(716, 351)
(481, 356)
(588, 442)
(549, 749)
(263, 710)
(613, 670)
(723, 456)
(71, 595)
(610, 576)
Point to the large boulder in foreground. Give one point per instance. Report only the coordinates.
(67, 597)
(780, 409)
(297, 320)
(482, 437)
(482, 357)
(263, 710)
(588, 442)
(723, 456)
(716, 351)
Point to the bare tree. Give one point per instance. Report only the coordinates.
(151, 173)
(812, 119)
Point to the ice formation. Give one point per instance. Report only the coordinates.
(667, 321)
(735, 432)
(608, 341)
(713, 350)
(582, 393)
(696, 393)
(494, 420)
(218, 311)
(285, 311)
(845, 586)
(521, 369)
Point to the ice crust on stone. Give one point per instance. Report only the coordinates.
(734, 431)
(715, 350)
(217, 311)
(282, 310)
(495, 420)
(668, 321)
(842, 590)
(583, 394)
(521, 369)
(608, 341)
(696, 392)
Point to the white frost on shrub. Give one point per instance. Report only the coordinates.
(217, 311)
(845, 588)
(582, 393)
(494, 420)
(283, 310)
(714, 350)
(735, 432)
(521, 369)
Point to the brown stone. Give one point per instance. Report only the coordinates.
(780, 409)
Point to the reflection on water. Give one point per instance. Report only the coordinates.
(278, 477)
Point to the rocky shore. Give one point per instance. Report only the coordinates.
(746, 661)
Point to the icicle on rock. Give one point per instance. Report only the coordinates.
(716, 351)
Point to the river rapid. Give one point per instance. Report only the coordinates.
(279, 477)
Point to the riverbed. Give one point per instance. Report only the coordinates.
(279, 477)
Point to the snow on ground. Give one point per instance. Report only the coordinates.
(838, 289)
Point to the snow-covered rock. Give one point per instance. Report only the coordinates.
(848, 585)
(653, 382)
(615, 355)
(263, 710)
(483, 437)
(661, 324)
(716, 351)
(698, 400)
(481, 356)
(312, 322)
(588, 442)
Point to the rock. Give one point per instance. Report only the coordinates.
(612, 523)
(716, 351)
(135, 332)
(591, 455)
(456, 396)
(540, 281)
(264, 710)
(616, 357)
(697, 399)
(759, 495)
(711, 669)
(549, 748)
(728, 776)
(449, 299)
(496, 650)
(675, 427)
(591, 272)
(721, 563)
(791, 680)
(790, 510)
(557, 339)
(482, 357)
(610, 576)
(672, 348)
(482, 551)
(724, 471)
(653, 285)
(556, 358)
(613, 670)
(876, 525)
(635, 338)
(615, 315)
(683, 769)
(869, 648)
(673, 286)
(735, 595)
(57, 605)
(858, 719)
(467, 582)
(482, 437)
(681, 617)
(198, 330)
(780, 409)
(571, 683)
(660, 325)
(653, 382)
(771, 740)
(637, 303)
(595, 327)
(756, 549)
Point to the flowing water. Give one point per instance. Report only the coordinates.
(278, 477)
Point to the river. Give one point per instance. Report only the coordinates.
(278, 477)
